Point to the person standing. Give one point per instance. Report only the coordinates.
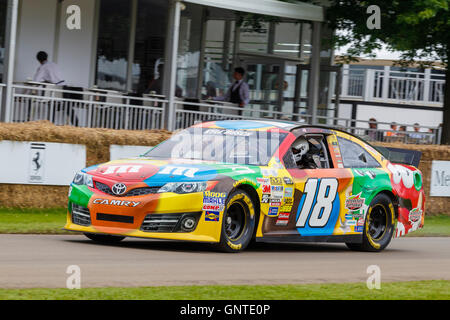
(239, 92)
(47, 71)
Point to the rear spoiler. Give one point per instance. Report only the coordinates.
(403, 156)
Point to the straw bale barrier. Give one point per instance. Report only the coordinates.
(97, 143)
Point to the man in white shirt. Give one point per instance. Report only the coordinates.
(47, 71)
(239, 92)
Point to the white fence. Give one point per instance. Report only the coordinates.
(423, 88)
(117, 111)
(87, 108)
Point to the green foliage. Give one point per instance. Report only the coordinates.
(420, 29)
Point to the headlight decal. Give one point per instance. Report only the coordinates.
(82, 178)
(183, 187)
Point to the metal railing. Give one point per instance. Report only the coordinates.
(394, 86)
(115, 111)
(188, 114)
(86, 108)
(2, 86)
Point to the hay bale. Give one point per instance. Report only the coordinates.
(96, 140)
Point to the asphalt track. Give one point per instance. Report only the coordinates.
(28, 261)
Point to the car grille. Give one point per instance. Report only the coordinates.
(132, 193)
(81, 215)
(165, 222)
(115, 218)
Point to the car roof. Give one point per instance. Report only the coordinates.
(251, 124)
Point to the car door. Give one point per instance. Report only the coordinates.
(321, 192)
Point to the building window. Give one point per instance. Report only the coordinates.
(190, 46)
(3, 13)
(113, 43)
(149, 50)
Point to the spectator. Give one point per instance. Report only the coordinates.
(416, 135)
(47, 71)
(392, 133)
(156, 84)
(373, 133)
(239, 92)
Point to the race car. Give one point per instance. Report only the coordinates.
(233, 182)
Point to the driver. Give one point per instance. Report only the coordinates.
(304, 154)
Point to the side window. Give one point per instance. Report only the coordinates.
(355, 156)
(289, 161)
(309, 152)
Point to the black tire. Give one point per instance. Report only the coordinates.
(238, 222)
(104, 238)
(378, 227)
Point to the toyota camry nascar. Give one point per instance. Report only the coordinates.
(233, 182)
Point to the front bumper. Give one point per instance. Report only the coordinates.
(125, 215)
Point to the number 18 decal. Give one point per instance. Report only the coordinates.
(318, 198)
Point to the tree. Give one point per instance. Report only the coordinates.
(419, 29)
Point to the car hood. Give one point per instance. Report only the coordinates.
(158, 172)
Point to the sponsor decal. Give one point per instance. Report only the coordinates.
(354, 202)
(276, 181)
(286, 208)
(288, 192)
(119, 203)
(265, 198)
(275, 202)
(207, 207)
(288, 201)
(360, 222)
(348, 216)
(277, 192)
(350, 222)
(340, 166)
(229, 132)
(212, 216)
(415, 215)
(273, 211)
(359, 229)
(288, 180)
(265, 184)
(214, 201)
(283, 219)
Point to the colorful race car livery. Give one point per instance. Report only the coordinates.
(232, 182)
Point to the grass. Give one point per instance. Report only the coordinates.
(50, 221)
(421, 290)
(35, 221)
(435, 226)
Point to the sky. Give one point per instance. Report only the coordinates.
(380, 54)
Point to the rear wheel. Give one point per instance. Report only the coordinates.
(104, 238)
(238, 222)
(378, 226)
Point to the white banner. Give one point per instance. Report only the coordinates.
(40, 162)
(440, 179)
(117, 152)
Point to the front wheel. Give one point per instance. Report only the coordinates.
(104, 238)
(378, 226)
(238, 222)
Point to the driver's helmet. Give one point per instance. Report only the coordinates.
(300, 148)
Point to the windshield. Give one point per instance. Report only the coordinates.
(221, 145)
